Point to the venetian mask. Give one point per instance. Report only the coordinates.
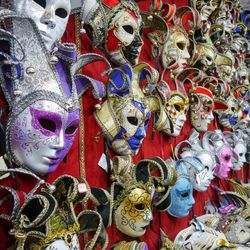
(50, 16)
(181, 193)
(225, 19)
(201, 111)
(230, 114)
(174, 109)
(124, 41)
(199, 173)
(42, 133)
(175, 52)
(215, 142)
(115, 28)
(239, 149)
(197, 236)
(124, 116)
(133, 214)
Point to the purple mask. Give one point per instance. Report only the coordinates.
(43, 133)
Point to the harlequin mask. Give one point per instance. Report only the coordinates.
(223, 17)
(224, 67)
(239, 148)
(175, 52)
(201, 111)
(50, 16)
(116, 28)
(181, 193)
(174, 108)
(228, 110)
(124, 116)
(215, 142)
(133, 212)
(44, 108)
(205, 8)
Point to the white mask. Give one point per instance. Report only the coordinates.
(42, 134)
(50, 16)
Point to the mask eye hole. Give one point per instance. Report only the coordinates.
(240, 154)
(47, 124)
(42, 3)
(184, 195)
(132, 120)
(180, 46)
(61, 12)
(140, 206)
(177, 107)
(128, 28)
(71, 130)
(227, 158)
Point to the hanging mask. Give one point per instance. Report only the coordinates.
(181, 193)
(199, 174)
(116, 28)
(174, 107)
(201, 111)
(228, 110)
(124, 116)
(44, 106)
(239, 148)
(50, 16)
(215, 142)
(175, 54)
(224, 67)
(205, 8)
(132, 210)
(192, 148)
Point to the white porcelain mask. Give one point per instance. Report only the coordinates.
(175, 53)
(42, 134)
(50, 16)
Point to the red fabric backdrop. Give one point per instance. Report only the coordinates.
(155, 144)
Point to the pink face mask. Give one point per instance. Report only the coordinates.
(225, 162)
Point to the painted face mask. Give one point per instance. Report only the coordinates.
(174, 107)
(118, 34)
(43, 133)
(133, 212)
(200, 175)
(239, 148)
(201, 111)
(229, 111)
(124, 116)
(44, 107)
(50, 16)
(215, 142)
(194, 148)
(181, 193)
(175, 52)
(223, 17)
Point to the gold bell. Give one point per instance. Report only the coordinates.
(150, 18)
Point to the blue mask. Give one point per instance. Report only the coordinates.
(182, 198)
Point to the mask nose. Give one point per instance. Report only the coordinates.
(185, 54)
(59, 142)
(138, 40)
(48, 18)
(191, 201)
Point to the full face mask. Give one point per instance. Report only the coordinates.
(124, 116)
(181, 193)
(239, 148)
(133, 212)
(201, 111)
(116, 28)
(173, 111)
(50, 16)
(175, 52)
(215, 142)
(192, 147)
(44, 107)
